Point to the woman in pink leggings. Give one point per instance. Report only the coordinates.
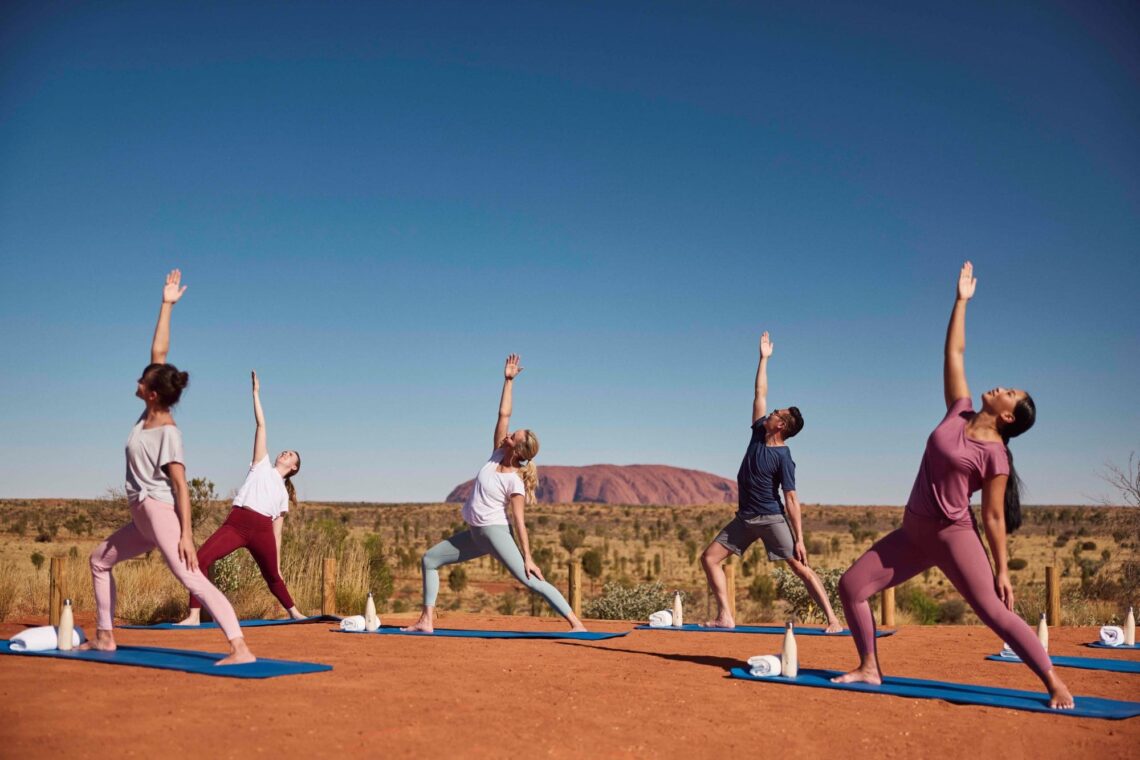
(968, 451)
(257, 517)
(159, 498)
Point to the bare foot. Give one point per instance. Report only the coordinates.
(1059, 696)
(833, 626)
(860, 675)
(104, 641)
(194, 618)
(722, 621)
(239, 654)
(423, 625)
(296, 614)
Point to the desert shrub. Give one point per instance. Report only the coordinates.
(37, 560)
(793, 591)
(571, 538)
(1088, 546)
(762, 590)
(816, 546)
(1060, 541)
(1017, 563)
(951, 611)
(592, 564)
(625, 602)
(508, 603)
(457, 579)
(918, 604)
(9, 587)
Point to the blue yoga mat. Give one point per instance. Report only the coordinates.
(958, 693)
(475, 634)
(188, 661)
(243, 623)
(1122, 647)
(768, 629)
(1087, 663)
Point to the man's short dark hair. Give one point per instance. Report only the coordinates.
(794, 421)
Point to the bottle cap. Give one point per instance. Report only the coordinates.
(67, 602)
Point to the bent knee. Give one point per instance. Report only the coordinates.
(97, 559)
(850, 589)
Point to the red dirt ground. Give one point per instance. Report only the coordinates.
(647, 694)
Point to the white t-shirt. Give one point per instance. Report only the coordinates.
(493, 490)
(263, 490)
(148, 451)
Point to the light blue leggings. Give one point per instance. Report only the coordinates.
(474, 543)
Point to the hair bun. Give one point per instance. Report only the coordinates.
(181, 380)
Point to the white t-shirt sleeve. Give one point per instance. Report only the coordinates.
(170, 447)
(516, 486)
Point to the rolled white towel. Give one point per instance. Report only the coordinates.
(764, 665)
(1007, 651)
(1111, 635)
(354, 623)
(661, 619)
(43, 639)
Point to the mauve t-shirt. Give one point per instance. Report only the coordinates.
(954, 466)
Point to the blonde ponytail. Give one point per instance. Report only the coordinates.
(528, 472)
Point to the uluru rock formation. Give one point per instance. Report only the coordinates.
(624, 484)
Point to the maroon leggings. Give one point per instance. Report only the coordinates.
(956, 550)
(254, 531)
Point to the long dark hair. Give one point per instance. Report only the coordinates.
(1024, 415)
(289, 489)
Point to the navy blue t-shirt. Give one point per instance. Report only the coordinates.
(763, 473)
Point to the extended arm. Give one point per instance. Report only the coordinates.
(176, 471)
(517, 506)
(993, 520)
(760, 400)
(260, 449)
(792, 507)
(954, 359)
(171, 292)
(510, 371)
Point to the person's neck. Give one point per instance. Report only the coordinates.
(156, 415)
(510, 459)
(775, 439)
(983, 426)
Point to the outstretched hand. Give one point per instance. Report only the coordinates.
(173, 289)
(966, 282)
(256, 382)
(766, 345)
(512, 369)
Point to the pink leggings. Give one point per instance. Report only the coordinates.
(956, 550)
(154, 524)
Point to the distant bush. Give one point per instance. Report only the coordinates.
(1017, 564)
(9, 587)
(1088, 546)
(622, 602)
(951, 611)
(37, 560)
(508, 603)
(920, 605)
(762, 590)
(792, 590)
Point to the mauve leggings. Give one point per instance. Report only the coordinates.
(153, 524)
(254, 531)
(956, 550)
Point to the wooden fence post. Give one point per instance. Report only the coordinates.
(730, 586)
(328, 587)
(575, 589)
(1052, 596)
(887, 605)
(58, 589)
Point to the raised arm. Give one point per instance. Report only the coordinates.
(760, 400)
(993, 521)
(511, 370)
(259, 447)
(954, 360)
(171, 292)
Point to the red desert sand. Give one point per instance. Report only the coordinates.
(655, 694)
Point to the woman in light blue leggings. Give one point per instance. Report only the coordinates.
(505, 484)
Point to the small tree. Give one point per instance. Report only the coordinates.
(202, 495)
(37, 560)
(592, 565)
(457, 579)
(1125, 481)
(571, 537)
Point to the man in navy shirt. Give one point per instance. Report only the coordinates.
(766, 470)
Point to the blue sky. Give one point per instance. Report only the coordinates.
(373, 204)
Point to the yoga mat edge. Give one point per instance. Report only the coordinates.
(771, 630)
(478, 634)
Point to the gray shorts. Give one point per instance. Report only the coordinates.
(773, 530)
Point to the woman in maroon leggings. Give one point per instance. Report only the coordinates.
(968, 451)
(258, 515)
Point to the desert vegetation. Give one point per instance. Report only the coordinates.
(633, 558)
